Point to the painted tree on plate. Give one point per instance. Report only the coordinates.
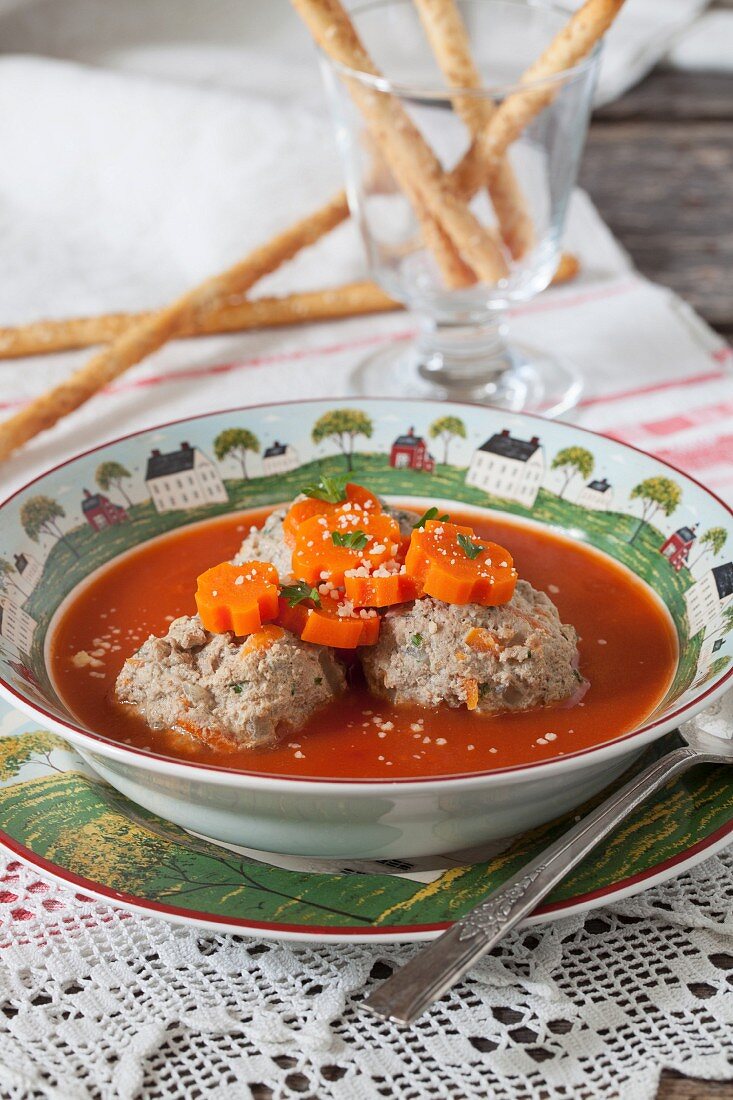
(657, 494)
(8, 575)
(711, 541)
(17, 751)
(446, 429)
(719, 665)
(110, 475)
(39, 516)
(236, 443)
(571, 461)
(342, 427)
(728, 619)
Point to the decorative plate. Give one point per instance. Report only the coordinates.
(62, 819)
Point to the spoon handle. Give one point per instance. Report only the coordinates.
(413, 988)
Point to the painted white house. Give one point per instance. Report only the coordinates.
(597, 495)
(508, 467)
(708, 598)
(29, 571)
(279, 458)
(16, 625)
(186, 478)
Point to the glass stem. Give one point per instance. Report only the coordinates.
(461, 356)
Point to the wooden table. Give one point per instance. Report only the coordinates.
(659, 166)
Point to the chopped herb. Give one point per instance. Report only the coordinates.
(330, 489)
(318, 681)
(416, 639)
(238, 686)
(484, 690)
(352, 540)
(470, 549)
(432, 513)
(296, 593)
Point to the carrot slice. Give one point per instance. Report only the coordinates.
(454, 565)
(324, 626)
(360, 498)
(328, 546)
(263, 639)
(380, 591)
(239, 598)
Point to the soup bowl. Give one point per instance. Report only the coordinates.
(61, 529)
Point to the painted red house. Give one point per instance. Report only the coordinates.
(677, 547)
(99, 511)
(410, 452)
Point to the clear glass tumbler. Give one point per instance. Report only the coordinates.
(461, 349)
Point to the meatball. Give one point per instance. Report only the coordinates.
(228, 693)
(267, 543)
(489, 659)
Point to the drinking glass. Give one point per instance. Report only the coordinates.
(461, 350)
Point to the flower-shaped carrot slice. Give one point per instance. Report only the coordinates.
(361, 500)
(380, 590)
(454, 565)
(327, 546)
(333, 624)
(239, 598)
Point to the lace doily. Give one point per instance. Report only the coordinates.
(99, 1004)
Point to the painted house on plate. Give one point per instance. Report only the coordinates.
(186, 478)
(410, 452)
(597, 495)
(508, 467)
(99, 511)
(708, 598)
(676, 549)
(16, 625)
(29, 570)
(279, 458)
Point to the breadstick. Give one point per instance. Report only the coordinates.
(234, 315)
(413, 163)
(449, 41)
(568, 48)
(146, 336)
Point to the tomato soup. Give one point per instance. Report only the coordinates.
(627, 648)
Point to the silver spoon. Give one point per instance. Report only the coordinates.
(415, 986)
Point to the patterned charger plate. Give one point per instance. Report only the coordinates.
(59, 817)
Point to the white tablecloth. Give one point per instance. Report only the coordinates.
(117, 191)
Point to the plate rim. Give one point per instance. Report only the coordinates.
(594, 899)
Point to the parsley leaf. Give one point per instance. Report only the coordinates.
(352, 540)
(470, 549)
(416, 639)
(330, 489)
(238, 686)
(296, 593)
(432, 513)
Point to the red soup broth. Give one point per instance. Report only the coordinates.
(628, 653)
